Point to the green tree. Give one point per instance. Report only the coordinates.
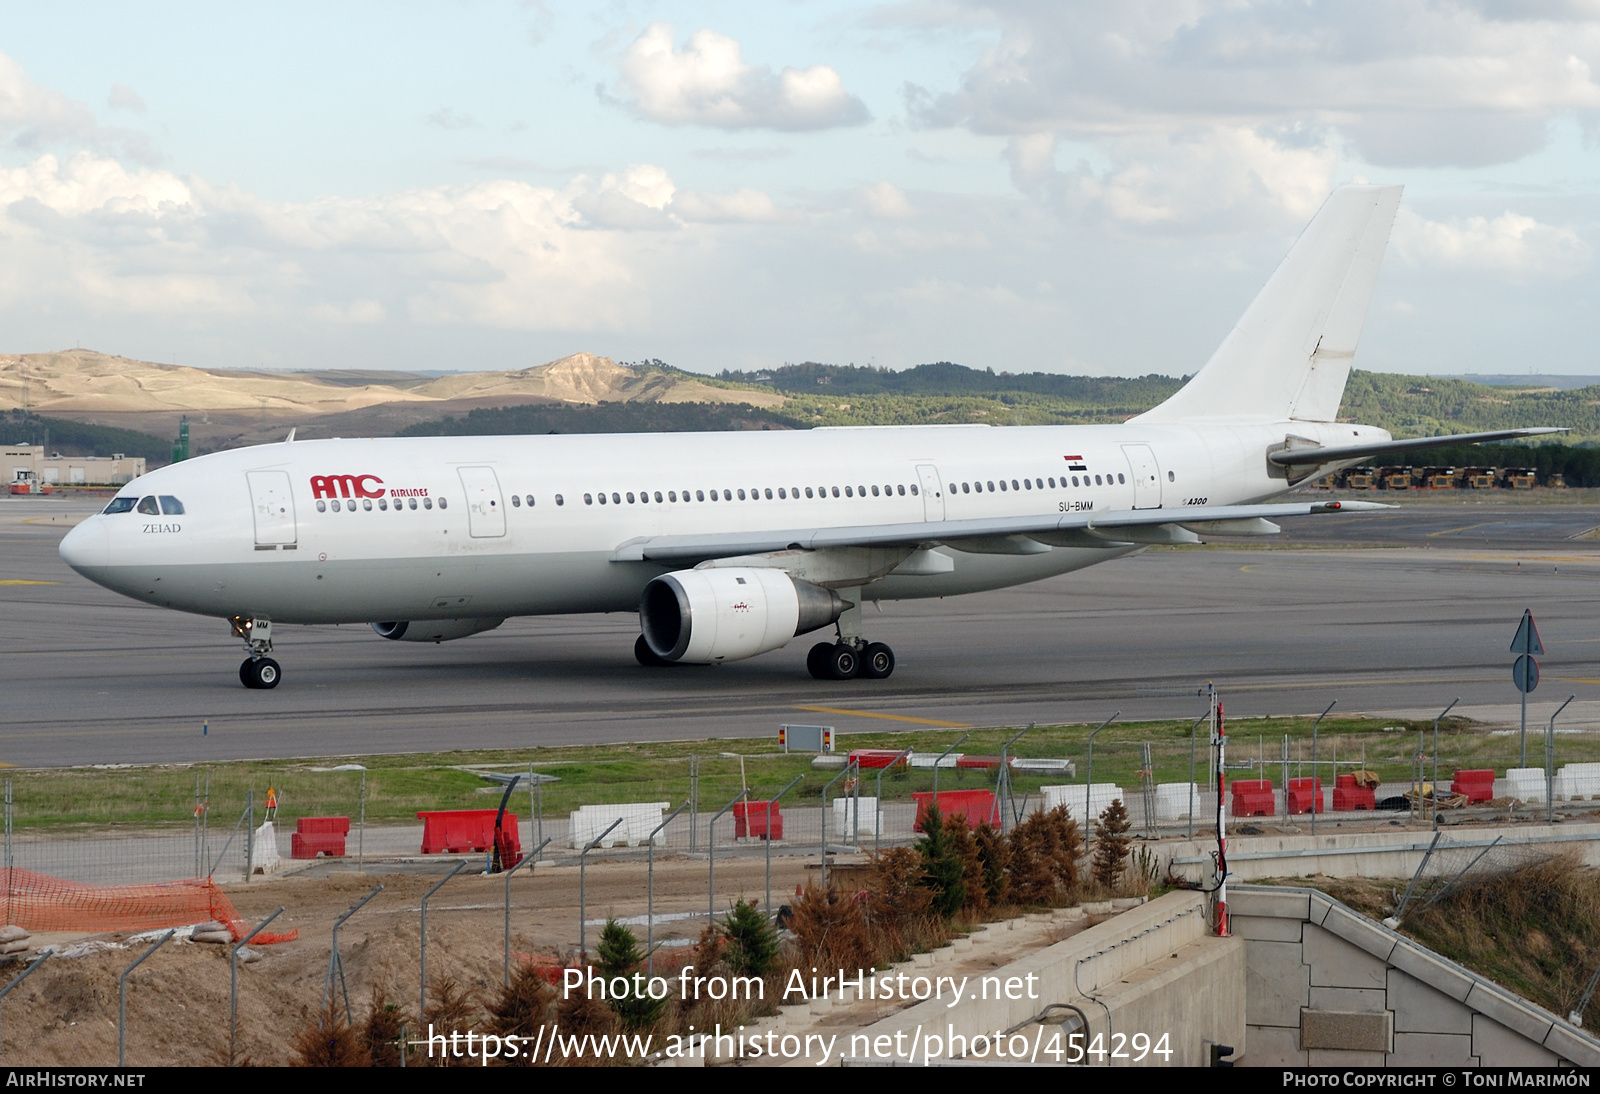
(1111, 844)
(618, 958)
(753, 946)
(943, 871)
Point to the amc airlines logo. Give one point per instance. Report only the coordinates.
(346, 486)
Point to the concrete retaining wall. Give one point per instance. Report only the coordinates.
(1328, 987)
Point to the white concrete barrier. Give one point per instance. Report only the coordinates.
(1173, 800)
(844, 812)
(639, 819)
(1100, 795)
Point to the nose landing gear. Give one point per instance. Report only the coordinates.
(258, 670)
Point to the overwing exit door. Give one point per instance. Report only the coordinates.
(486, 510)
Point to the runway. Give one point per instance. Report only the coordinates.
(88, 677)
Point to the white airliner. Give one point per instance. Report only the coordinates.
(732, 544)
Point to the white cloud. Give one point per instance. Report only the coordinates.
(30, 114)
(358, 312)
(1510, 244)
(123, 97)
(886, 201)
(744, 205)
(707, 82)
(1184, 95)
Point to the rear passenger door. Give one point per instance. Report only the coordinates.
(486, 509)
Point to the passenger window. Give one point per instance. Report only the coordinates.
(427, 503)
(1040, 483)
(630, 497)
(616, 499)
(783, 494)
(902, 490)
(383, 503)
(516, 502)
(672, 495)
(322, 507)
(699, 495)
(1028, 483)
(148, 506)
(658, 497)
(444, 503)
(602, 499)
(1003, 483)
(1120, 479)
(171, 506)
(835, 491)
(530, 501)
(335, 505)
(874, 489)
(410, 503)
(741, 494)
(847, 492)
(727, 495)
(366, 503)
(588, 499)
(1097, 481)
(861, 491)
(120, 505)
(913, 489)
(808, 491)
(560, 500)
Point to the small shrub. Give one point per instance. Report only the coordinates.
(996, 860)
(964, 846)
(1111, 845)
(618, 955)
(1044, 852)
(382, 1030)
(325, 1039)
(752, 943)
(943, 871)
(830, 930)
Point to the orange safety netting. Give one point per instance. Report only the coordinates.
(39, 902)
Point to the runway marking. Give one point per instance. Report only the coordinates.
(19, 581)
(1574, 680)
(886, 717)
(1463, 528)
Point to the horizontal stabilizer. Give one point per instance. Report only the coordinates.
(1301, 457)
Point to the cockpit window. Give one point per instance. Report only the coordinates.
(171, 506)
(119, 505)
(148, 506)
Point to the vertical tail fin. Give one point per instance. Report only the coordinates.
(1289, 355)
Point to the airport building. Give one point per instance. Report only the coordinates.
(58, 470)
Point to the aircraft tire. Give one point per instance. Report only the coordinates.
(878, 662)
(266, 673)
(817, 661)
(843, 662)
(246, 676)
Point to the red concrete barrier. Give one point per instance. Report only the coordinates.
(977, 805)
(750, 821)
(1252, 798)
(1478, 786)
(1306, 795)
(457, 831)
(1348, 797)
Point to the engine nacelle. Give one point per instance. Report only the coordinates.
(434, 630)
(702, 617)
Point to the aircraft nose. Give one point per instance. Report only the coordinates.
(87, 546)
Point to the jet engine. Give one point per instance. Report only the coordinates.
(702, 617)
(434, 630)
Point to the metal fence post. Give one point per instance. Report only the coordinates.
(1316, 787)
(848, 767)
(1550, 764)
(525, 860)
(1436, 722)
(940, 761)
(422, 953)
(336, 963)
(249, 834)
(27, 972)
(770, 803)
(1088, 781)
(711, 855)
(122, 999)
(650, 891)
(361, 829)
(1192, 731)
(583, 888)
(233, 985)
(877, 820)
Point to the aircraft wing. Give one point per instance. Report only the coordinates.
(1315, 454)
(688, 550)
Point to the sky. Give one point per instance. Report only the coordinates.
(1024, 186)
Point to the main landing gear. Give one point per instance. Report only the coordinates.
(851, 656)
(843, 661)
(258, 670)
